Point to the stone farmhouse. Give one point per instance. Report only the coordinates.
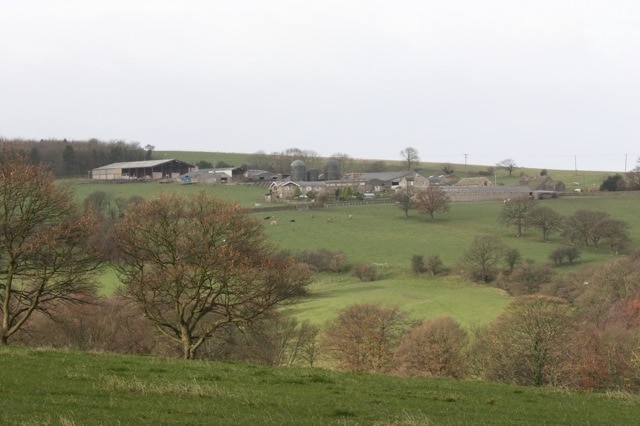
(288, 189)
(542, 183)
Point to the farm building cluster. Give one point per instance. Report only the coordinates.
(302, 183)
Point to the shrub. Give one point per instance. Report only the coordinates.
(417, 264)
(323, 260)
(559, 255)
(434, 265)
(363, 337)
(365, 272)
(434, 348)
(481, 259)
(528, 279)
(512, 257)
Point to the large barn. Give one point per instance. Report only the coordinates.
(150, 169)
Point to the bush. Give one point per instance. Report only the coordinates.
(559, 255)
(110, 324)
(323, 260)
(363, 337)
(434, 265)
(417, 264)
(434, 348)
(365, 272)
(528, 279)
(613, 183)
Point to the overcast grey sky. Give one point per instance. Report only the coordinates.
(547, 83)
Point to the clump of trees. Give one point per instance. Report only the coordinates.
(370, 337)
(75, 158)
(579, 330)
(582, 228)
(562, 254)
(433, 264)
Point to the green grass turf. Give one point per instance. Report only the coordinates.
(420, 297)
(40, 386)
(245, 196)
(381, 234)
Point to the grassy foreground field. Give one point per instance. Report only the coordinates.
(46, 387)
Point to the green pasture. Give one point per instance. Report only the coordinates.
(245, 195)
(420, 297)
(380, 234)
(52, 387)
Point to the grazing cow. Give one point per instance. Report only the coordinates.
(329, 220)
(350, 216)
(292, 220)
(273, 222)
(267, 217)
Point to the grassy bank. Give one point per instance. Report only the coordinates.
(65, 388)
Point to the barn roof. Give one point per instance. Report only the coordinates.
(137, 164)
(382, 176)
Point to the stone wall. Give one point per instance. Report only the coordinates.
(486, 193)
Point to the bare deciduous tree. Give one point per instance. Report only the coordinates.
(588, 227)
(410, 156)
(404, 200)
(545, 219)
(45, 257)
(363, 337)
(514, 213)
(526, 342)
(481, 260)
(195, 264)
(509, 165)
(434, 348)
(431, 200)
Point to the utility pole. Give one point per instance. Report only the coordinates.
(465, 163)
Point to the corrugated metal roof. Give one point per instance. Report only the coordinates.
(383, 176)
(135, 164)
